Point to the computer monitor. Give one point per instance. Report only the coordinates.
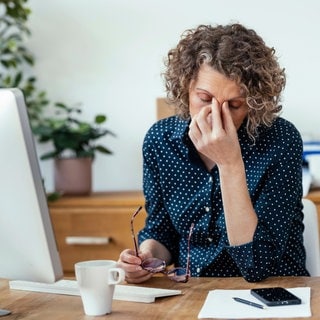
(28, 249)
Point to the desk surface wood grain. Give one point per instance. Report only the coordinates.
(39, 306)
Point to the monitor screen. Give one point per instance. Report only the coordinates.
(28, 249)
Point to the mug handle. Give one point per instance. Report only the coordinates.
(116, 275)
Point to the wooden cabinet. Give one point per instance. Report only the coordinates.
(95, 226)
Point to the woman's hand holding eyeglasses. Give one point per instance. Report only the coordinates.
(131, 264)
(140, 265)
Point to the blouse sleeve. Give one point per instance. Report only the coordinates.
(158, 224)
(279, 208)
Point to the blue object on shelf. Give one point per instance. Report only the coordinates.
(310, 147)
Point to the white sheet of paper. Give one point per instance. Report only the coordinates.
(219, 304)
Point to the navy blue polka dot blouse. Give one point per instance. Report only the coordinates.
(179, 191)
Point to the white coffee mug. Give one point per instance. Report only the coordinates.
(96, 281)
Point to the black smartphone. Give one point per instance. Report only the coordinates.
(275, 296)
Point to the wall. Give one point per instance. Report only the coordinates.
(108, 55)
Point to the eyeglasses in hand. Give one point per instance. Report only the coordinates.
(155, 265)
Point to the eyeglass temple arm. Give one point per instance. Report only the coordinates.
(133, 233)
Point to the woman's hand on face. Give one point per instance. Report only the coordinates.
(214, 134)
(131, 264)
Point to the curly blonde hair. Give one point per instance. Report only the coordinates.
(239, 54)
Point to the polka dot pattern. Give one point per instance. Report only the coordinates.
(179, 190)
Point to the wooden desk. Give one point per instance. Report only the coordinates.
(39, 306)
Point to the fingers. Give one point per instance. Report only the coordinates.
(217, 123)
(138, 277)
(226, 118)
(206, 119)
(221, 118)
(131, 264)
(200, 124)
(206, 123)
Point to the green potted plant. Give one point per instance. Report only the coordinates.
(74, 147)
(73, 140)
(16, 59)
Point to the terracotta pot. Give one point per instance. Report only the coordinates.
(73, 176)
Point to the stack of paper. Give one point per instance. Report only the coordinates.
(220, 304)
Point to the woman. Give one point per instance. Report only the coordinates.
(228, 164)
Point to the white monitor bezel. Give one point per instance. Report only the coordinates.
(28, 249)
